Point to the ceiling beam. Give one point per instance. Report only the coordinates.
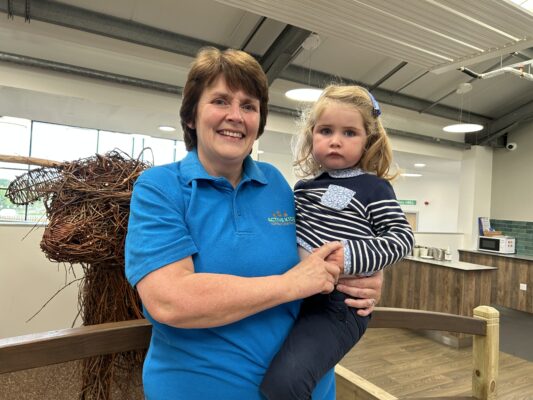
(105, 25)
(252, 33)
(88, 73)
(410, 82)
(503, 125)
(284, 49)
(469, 81)
(387, 76)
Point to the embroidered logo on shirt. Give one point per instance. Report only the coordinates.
(337, 197)
(281, 218)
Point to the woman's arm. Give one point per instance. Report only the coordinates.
(175, 295)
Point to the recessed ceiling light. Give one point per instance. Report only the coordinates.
(411, 175)
(304, 94)
(419, 165)
(167, 128)
(463, 128)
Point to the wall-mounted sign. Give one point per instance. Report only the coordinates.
(407, 202)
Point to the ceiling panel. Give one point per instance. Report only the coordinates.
(431, 33)
(203, 19)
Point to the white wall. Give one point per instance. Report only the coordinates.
(512, 181)
(28, 280)
(475, 188)
(441, 192)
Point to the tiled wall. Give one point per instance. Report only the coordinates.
(522, 231)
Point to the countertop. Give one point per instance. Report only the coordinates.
(460, 265)
(490, 253)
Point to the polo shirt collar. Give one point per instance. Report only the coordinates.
(192, 168)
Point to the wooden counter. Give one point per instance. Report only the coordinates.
(512, 271)
(446, 286)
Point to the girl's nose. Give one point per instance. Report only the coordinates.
(335, 140)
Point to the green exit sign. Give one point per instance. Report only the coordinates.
(407, 202)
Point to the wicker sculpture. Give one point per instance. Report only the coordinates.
(87, 205)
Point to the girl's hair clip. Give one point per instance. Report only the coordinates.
(376, 112)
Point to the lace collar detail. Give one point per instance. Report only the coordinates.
(346, 173)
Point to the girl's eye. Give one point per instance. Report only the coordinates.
(350, 133)
(324, 131)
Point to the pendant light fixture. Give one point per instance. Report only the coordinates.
(307, 94)
(463, 127)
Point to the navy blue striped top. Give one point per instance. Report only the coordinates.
(359, 209)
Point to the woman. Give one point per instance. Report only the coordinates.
(211, 246)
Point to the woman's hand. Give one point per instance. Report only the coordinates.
(365, 290)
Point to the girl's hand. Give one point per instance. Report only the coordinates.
(337, 258)
(365, 290)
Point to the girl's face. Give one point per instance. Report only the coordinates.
(339, 137)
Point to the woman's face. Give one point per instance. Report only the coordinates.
(227, 123)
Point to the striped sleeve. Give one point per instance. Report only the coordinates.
(392, 237)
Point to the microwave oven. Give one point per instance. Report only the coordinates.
(497, 244)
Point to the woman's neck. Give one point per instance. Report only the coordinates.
(231, 171)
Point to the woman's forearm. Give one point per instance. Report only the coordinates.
(208, 300)
(175, 295)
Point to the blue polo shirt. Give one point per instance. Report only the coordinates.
(179, 210)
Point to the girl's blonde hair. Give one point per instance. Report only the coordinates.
(377, 156)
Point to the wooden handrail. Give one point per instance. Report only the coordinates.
(38, 350)
(388, 317)
(54, 347)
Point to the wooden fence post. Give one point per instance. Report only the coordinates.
(486, 355)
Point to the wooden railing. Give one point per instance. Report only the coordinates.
(37, 350)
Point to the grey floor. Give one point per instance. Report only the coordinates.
(516, 332)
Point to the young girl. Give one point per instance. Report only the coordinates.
(345, 147)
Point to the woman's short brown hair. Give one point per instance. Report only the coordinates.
(241, 72)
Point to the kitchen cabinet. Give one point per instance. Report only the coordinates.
(445, 286)
(512, 286)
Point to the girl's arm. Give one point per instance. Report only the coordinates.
(393, 237)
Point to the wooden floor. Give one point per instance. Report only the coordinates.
(407, 364)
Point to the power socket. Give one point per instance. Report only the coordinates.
(523, 286)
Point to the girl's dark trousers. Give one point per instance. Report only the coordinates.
(325, 330)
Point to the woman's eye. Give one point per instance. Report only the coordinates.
(219, 102)
(249, 107)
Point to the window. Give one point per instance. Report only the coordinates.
(108, 141)
(22, 137)
(62, 143)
